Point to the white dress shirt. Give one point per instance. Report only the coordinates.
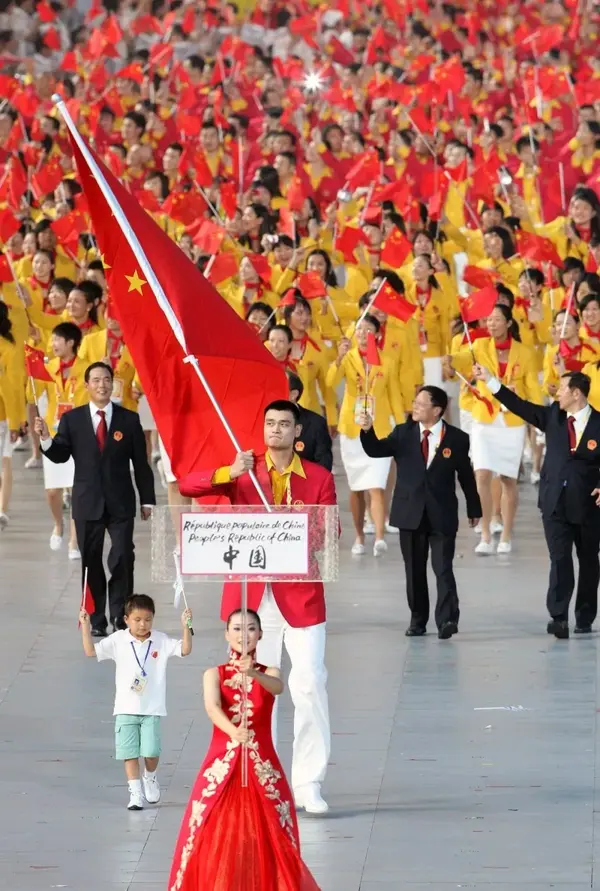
(435, 437)
(581, 418)
(108, 410)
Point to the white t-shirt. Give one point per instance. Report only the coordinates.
(123, 648)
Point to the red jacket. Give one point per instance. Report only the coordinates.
(301, 603)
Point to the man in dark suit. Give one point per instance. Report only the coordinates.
(429, 455)
(314, 443)
(569, 496)
(103, 438)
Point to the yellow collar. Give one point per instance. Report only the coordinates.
(295, 466)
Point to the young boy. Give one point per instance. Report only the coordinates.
(141, 656)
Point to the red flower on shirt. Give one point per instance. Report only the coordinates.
(155, 654)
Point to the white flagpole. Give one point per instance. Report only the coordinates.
(151, 278)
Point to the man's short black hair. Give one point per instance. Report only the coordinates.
(439, 397)
(578, 381)
(295, 383)
(69, 331)
(284, 405)
(91, 367)
(139, 601)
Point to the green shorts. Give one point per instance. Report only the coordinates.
(137, 736)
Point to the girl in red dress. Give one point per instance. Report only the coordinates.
(234, 837)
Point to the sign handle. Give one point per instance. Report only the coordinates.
(244, 611)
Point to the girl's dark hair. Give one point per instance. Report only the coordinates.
(299, 300)
(432, 280)
(5, 324)
(536, 276)
(503, 291)
(260, 307)
(570, 265)
(373, 321)
(266, 227)
(392, 278)
(589, 298)
(389, 211)
(330, 276)
(508, 247)
(513, 327)
(252, 614)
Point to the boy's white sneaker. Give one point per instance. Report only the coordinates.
(136, 800)
(151, 788)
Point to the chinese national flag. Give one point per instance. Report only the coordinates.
(209, 237)
(480, 278)
(372, 355)
(365, 172)
(229, 199)
(52, 39)
(348, 241)
(47, 179)
(479, 304)
(394, 304)
(224, 266)
(5, 272)
(396, 249)
(87, 599)
(296, 194)
(9, 224)
(537, 248)
(36, 367)
(243, 376)
(311, 285)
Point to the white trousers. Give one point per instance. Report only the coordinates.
(308, 688)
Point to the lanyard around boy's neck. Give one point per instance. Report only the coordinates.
(142, 666)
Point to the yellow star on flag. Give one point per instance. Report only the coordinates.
(135, 282)
(104, 263)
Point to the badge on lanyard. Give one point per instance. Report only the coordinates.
(364, 404)
(140, 679)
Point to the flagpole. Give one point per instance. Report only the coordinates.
(83, 590)
(148, 271)
(370, 304)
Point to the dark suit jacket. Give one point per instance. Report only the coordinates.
(433, 488)
(103, 479)
(314, 443)
(572, 474)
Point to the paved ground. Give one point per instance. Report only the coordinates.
(428, 789)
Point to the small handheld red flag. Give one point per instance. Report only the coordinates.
(396, 249)
(393, 304)
(36, 368)
(479, 304)
(372, 356)
(311, 285)
(87, 599)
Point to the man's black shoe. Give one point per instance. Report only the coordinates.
(583, 629)
(558, 628)
(447, 630)
(415, 631)
(99, 632)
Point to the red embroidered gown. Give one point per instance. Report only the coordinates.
(236, 838)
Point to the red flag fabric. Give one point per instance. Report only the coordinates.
(393, 304)
(223, 267)
(47, 179)
(372, 355)
(479, 304)
(396, 249)
(243, 376)
(5, 271)
(36, 367)
(348, 241)
(52, 39)
(480, 278)
(296, 195)
(365, 171)
(87, 600)
(536, 247)
(311, 285)
(9, 224)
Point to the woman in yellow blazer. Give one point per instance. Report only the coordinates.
(569, 354)
(497, 435)
(533, 316)
(12, 405)
(241, 294)
(571, 234)
(500, 256)
(431, 324)
(108, 346)
(310, 355)
(376, 388)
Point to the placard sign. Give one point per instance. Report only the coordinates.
(244, 544)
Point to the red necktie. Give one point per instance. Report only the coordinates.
(102, 430)
(572, 434)
(425, 446)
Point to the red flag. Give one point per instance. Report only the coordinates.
(243, 376)
(9, 224)
(223, 267)
(480, 278)
(5, 270)
(209, 237)
(36, 367)
(47, 179)
(536, 247)
(365, 171)
(396, 249)
(296, 194)
(479, 304)
(372, 355)
(479, 396)
(52, 39)
(45, 13)
(229, 199)
(348, 241)
(87, 599)
(311, 285)
(394, 304)
(185, 207)
(286, 225)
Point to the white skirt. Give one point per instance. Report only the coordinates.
(58, 476)
(497, 447)
(363, 473)
(6, 446)
(146, 419)
(432, 372)
(466, 421)
(166, 462)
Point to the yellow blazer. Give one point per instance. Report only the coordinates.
(93, 349)
(12, 384)
(564, 245)
(508, 270)
(383, 387)
(234, 295)
(312, 369)
(64, 267)
(589, 352)
(344, 303)
(64, 396)
(435, 320)
(536, 335)
(521, 376)
(592, 369)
